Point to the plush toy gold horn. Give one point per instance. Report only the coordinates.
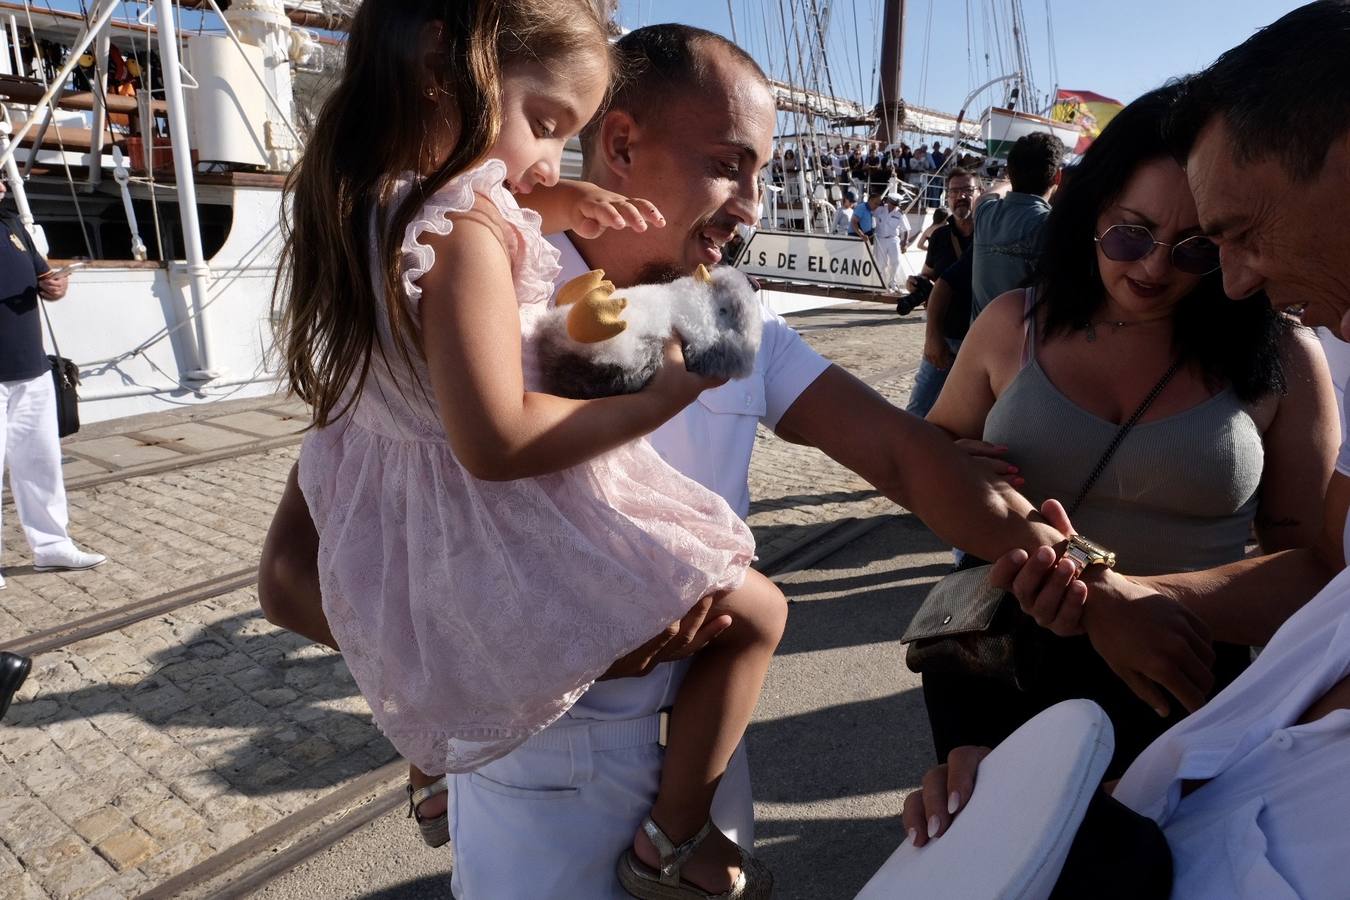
(582, 285)
(702, 274)
(596, 312)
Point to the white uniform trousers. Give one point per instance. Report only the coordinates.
(32, 449)
(887, 252)
(550, 820)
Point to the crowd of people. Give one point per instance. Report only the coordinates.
(548, 601)
(866, 167)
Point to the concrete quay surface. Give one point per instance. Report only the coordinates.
(178, 754)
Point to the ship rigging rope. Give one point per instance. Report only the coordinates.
(1050, 41)
(927, 56)
(51, 114)
(857, 54)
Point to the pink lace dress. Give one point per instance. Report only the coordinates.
(474, 613)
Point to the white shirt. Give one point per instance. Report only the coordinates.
(1337, 352)
(710, 441)
(843, 221)
(1273, 821)
(890, 223)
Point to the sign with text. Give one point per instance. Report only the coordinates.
(830, 259)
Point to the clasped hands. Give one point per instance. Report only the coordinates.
(1153, 643)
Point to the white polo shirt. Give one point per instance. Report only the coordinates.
(712, 439)
(1273, 820)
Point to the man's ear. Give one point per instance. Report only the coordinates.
(615, 142)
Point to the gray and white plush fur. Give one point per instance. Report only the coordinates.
(718, 323)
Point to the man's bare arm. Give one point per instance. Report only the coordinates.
(915, 464)
(1247, 601)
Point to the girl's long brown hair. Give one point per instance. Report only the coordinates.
(379, 122)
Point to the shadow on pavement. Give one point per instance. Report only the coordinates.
(261, 708)
(428, 886)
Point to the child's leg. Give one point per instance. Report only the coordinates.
(711, 714)
(431, 807)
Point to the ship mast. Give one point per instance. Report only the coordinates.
(890, 109)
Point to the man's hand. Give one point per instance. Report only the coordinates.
(52, 286)
(673, 384)
(938, 354)
(680, 639)
(1154, 644)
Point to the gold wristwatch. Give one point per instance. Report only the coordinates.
(1084, 553)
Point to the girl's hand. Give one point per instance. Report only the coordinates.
(597, 209)
(587, 210)
(989, 457)
(675, 385)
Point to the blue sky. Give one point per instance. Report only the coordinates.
(1119, 48)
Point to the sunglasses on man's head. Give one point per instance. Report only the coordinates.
(1196, 255)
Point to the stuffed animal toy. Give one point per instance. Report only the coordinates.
(598, 342)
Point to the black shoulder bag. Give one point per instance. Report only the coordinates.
(966, 625)
(66, 378)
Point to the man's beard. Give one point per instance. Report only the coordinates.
(660, 272)
(961, 212)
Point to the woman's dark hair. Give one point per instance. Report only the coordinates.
(1233, 342)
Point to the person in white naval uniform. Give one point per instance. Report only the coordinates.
(548, 820)
(892, 233)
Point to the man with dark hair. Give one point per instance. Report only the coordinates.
(1010, 219)
(948, 317)
(1264, 134)
(550, 819)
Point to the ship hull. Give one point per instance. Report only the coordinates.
(1001, 128)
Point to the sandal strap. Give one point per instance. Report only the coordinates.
(417, 797)
(673, 857)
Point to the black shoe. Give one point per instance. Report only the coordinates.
(13, 671)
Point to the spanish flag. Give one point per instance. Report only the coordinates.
(1088, 111)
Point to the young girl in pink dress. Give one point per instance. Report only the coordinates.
(487, 550)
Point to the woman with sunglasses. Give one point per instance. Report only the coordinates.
(1129, 290)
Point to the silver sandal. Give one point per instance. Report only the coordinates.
(754, 882)
(435, 832)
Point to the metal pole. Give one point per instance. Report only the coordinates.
(59, 81)
(892, 59)
(16, 183)
(199, 273)
(100, 112)
(13, 24)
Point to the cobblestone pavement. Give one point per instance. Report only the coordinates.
(132, 756)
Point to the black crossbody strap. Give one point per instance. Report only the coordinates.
(1111, 448)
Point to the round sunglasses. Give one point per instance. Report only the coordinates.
(1196, 255)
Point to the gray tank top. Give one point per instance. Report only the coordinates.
(1180, 493)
